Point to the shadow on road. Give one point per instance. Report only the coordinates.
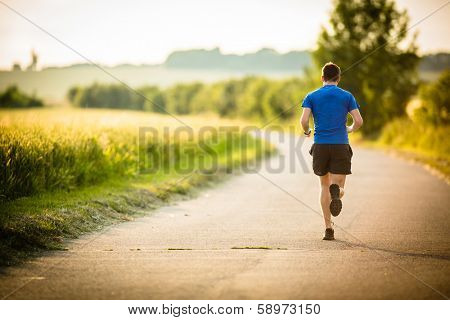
(399, 253)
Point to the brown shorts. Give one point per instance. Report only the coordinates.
(333, 158)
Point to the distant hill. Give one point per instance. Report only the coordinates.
(432, 65)
(270, 60)
(53, 83)
(435, 62)
(260, 61)
(183, 66)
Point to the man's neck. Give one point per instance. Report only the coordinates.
(329, 83)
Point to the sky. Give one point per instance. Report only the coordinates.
(146, 31)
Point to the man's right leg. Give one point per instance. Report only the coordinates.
(336, 192)
(325, 198)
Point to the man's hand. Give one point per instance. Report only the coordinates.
(304, 121)
(307, 133)
(357, 121)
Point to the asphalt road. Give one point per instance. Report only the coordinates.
(259, 236)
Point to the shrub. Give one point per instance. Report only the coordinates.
(12, 97)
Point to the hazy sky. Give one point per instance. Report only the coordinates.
(134, 31)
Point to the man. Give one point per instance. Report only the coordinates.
(331, 151)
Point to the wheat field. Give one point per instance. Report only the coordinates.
(48, 149)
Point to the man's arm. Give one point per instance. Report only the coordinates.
(357, 121)
(304, 119)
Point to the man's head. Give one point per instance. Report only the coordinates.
(331, 72)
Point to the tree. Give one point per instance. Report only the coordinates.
(283, 97)
(154, 100)
(207, 99)
(12, 97)
(179, 97)
(16, 67)
(253, 99)
(364, 40)
(34, 61)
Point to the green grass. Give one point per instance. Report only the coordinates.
(40, 158)
(427, 138)
(424, 143)
(65, 175)
(31, 224)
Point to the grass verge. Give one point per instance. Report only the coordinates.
(422, 143)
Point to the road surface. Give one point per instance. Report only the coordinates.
(258, 236)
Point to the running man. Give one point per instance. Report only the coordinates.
(331, 151)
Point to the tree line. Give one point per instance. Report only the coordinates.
(264, 99)
(250, 97)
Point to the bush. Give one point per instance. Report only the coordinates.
(179, 97)
(154, 101)
(12, 97)
(435, 101)
(104, 96)
(424, 137)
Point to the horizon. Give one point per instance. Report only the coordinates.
(83, 62)
(126, 33)
(184, 50)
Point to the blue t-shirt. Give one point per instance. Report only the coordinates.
(330, 106)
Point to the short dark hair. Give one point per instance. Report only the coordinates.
(331, 72)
